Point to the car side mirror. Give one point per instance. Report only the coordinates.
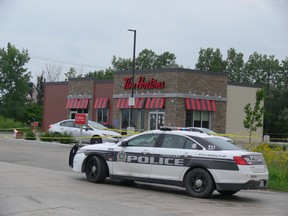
(85, 127)
(124, 143)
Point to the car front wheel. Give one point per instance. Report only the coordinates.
(96, 169)
(199, 183)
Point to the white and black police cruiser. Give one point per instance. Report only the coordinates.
(198, 162)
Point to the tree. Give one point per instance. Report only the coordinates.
(52, 72)
(71, 73)
(253, 119)
(210, 60)
(14, 80)
(33, 112)
(234, 66)
(102, 74)
(40, 89)
(276, 104)
(147, 59)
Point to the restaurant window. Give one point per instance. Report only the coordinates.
(125, 118)
(102, 115)
(198, 119)
(141, 119)
(136, 120)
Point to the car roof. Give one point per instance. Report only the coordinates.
(181, 132)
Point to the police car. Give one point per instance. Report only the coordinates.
(198, 162)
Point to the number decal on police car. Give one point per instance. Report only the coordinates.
(211, 147)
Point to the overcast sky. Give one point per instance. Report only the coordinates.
(85, 34)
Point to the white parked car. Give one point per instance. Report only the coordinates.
(92, 133)
(199, 162)
(209, 132)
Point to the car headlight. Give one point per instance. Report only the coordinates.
(107, 135)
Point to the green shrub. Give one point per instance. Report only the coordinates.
(7, 124)
(64, 138)
(47, 137)
(276, 158)
(30, 135)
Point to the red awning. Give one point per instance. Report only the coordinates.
(101, 103)
(123, 103)
(78, 103)
(155, 103)
(200, 104)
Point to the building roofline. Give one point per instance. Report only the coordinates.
(246, 84)
(56, 83)
(80, 79)
(165, 70)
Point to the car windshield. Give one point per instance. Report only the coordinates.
(215, 143)
(97, 125)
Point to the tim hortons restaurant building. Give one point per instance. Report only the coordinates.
(171, 97)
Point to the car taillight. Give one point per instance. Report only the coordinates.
(239, 160)
(49, 126)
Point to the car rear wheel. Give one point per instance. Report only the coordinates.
(227, 193)
(96, 169)
(95, 140)
(199, 183)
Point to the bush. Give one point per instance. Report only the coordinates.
(30, 135)
(7, 124)
(276, 158)
(64, 138)
(47, 137)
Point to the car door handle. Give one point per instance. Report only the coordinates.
(145, 152)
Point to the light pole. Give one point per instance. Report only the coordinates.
(133, 72)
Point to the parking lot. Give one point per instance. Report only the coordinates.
(35, 180)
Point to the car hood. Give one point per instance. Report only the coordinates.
(105, 145)
(108, 132)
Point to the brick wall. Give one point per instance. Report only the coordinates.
(180, 81)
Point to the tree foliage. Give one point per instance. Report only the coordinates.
(101, 75)
(71, 73)
(210, 60)
(14, 80)
(33, 112)
(253, 119)
(258, 69)
(234, 66)
(40, 89)
(147, 59)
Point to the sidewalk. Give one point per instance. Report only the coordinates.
(7, 135)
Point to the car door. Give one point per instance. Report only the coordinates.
(134, 158)
(87, 133)
(173, 156)
(68, 127)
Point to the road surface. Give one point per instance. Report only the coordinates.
(35, 179)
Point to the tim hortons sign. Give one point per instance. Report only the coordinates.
(81, 118)
(143, 84)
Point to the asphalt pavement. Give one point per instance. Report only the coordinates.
(35, 180)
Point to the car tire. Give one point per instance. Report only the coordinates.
(199, 183)
(227, 193)
(96, 169)
(96, 140)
